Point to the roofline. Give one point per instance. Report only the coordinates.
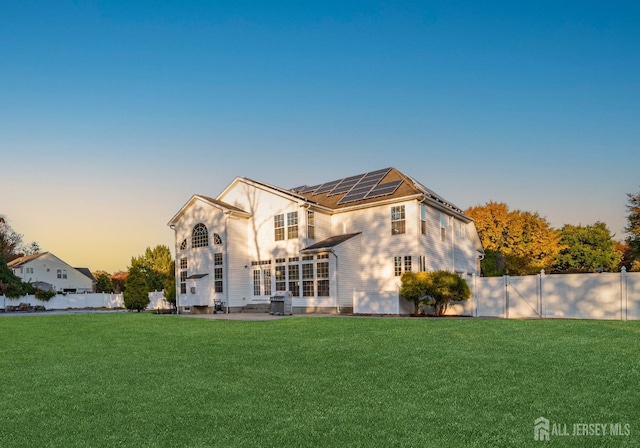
(17, 262)
(282, 192)
(219, 205)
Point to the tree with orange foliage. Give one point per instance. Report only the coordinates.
(515, 242)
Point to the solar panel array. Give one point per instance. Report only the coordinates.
(356, 188)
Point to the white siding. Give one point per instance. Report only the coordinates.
(237, 264)
(348, 279)
(45, 269)
(264, 206)
(379, 246)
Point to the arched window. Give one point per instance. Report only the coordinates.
(199, 236)
(183, 245)
(217, 240)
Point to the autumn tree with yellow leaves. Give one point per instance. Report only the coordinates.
(515, 242)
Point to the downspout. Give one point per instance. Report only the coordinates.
(175, 267)
(337, 282)
(226, 260)
(453, 243)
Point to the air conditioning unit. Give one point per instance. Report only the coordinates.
(193, 290)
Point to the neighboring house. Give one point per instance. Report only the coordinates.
(46, 271)
(326, 244)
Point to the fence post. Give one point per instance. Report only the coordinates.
(474, 294)
(540, 296)
(624, 303)
(505, 278)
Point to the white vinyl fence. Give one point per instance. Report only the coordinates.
(579, 296)
(572, 296)
(81, 301)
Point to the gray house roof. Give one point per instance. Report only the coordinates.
(330, 242)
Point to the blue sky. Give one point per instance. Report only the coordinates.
(114, 113)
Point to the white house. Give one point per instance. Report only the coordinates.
(46, 271)
(329, 245)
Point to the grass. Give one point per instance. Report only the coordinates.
(145, 380)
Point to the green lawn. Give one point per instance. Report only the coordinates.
(139, 380)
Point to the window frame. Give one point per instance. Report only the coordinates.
(443, 227)
(292, 225)
(278, 227)
(199, 236)
(311, 224)
(398, 220)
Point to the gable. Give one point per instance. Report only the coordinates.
(208, 202)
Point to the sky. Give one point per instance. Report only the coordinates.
(114, 113)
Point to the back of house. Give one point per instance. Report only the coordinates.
(328, 245)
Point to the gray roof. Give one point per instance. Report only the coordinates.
(87, 273)
(330, 242)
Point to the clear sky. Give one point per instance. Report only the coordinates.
(113, 113)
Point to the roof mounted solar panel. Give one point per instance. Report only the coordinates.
(306, 189)
(326, 187)
(384, 189)
(345, 185)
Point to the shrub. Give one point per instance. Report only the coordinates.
(45, 296)
(436, 289)
(445, 287)
(136, 296)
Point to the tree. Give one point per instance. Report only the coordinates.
(437, 289)
(157, 265)
(136, 295)
(10, 284)
(119, 279)
(445, 287)
(11, 246)
(515, 242)
(170, 286)
(103, 282)
(633, 225)
(413, 288)
(588, 248)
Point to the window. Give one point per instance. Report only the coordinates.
(311, 224)
(399, 263)
(29, 270)
(462, 230)
(407, 264)
(183, 276)
(61, 273)
(267, 282)
(322, 269)
(397, 220)
(217, 240)
(307, 280)
(443, 227)
(217, 259)
(423, 263)
(183, 245)
(217, 278)
(423, 219)
(256, 282)
(278, 226)
(281, 278)
(397, 266)
(199, 236)
(292, 225)
(294, 279)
